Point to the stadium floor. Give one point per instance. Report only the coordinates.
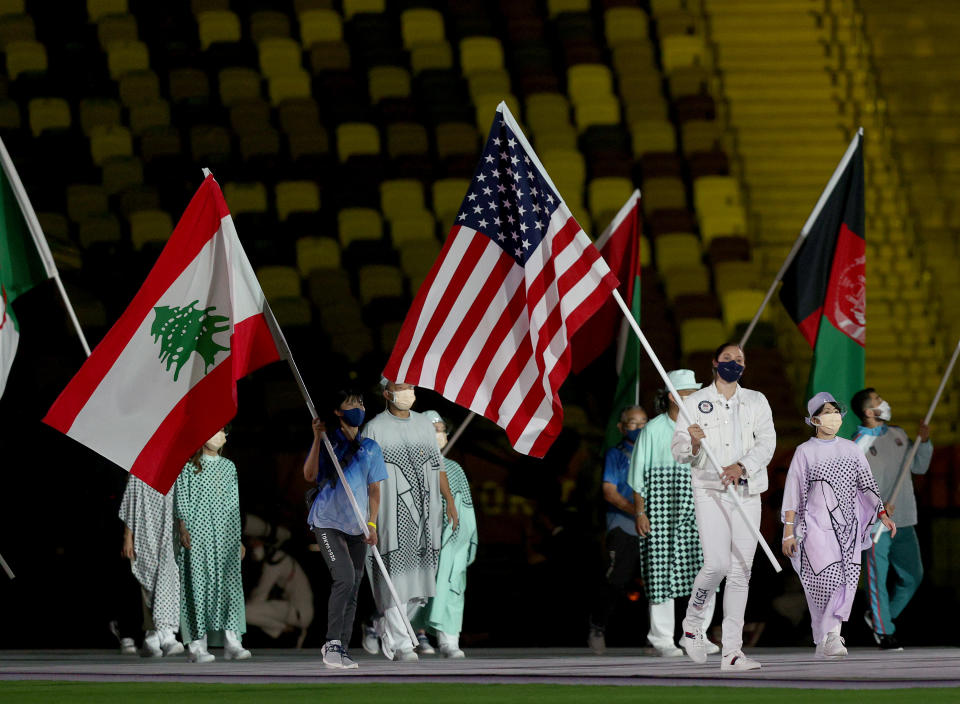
(864, 668)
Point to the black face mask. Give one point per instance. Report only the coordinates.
(730, 371)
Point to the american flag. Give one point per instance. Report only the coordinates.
(490, 327)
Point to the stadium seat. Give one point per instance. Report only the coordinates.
(279, 282)
(456, 139)
(188, 84)
(12, 7)
(245, 197)
(412, 226)
(120, 173)
(279, 56)
(355, 224)
(701, 335)
(700, 136)
(624, 24)
(85, 200)
(448, 195)
(148, 226)
(681, 51)
(489, 81)
(598, 111)
(421, 26)
(740, 305)
(330, 56)
(357, 138)
(159, 143)
(292, 312)
(544, 110)
(25, 56)
(296, 196)
(16, 28)
(731, 275)
(218, 26)
(723, 222)
(98, 112)
(604, 194)
(676, 251)
(139, 87)
(97, 9)
(388, 82)
(432, 56)
(589, 82)
(10, 118)
(379, 281)
(210, 142)
(418, 256)
(652, 136)
(95, 229)
(48, 113)
(317, 253)
(407, 138)
(126, 56)
(663, 193)
(557, 7)
(148, 116)
(320, 26)
(268, 23)
(293, 85)
(710, 192)
(352, 7)
(400, 197)
(111, 28)
(691, 279)
(305, 143)
(261, 144)
(238, 84)
(480, 54)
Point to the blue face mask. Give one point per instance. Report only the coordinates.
(632, 434)
(729, 371)
(353, 417)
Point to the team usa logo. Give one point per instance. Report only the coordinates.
(705, 407)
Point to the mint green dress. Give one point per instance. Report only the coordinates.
(211, 589)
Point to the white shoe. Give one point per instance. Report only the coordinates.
(832, 646)
(197, 651)
(424, 648)
(738, 662)
(151, 646)
(669, 652)
(232, 647)
(696, 646)
(596, 641)
(127, 646)
(405, 656)
(332, 653)
(452, 653)
(174, 647)
(371, 642)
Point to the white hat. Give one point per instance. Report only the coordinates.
(433, 416)
(683, 379)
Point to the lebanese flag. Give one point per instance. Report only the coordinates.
(164, 378)
(619, 246)
(824, 290)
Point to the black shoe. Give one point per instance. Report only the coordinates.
(889, 643)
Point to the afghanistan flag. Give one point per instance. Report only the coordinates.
(21, 265)
(164, 378)
(824, 290)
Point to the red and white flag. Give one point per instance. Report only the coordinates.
(490, 327)
(164, 378)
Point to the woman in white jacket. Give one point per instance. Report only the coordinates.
(738, 425)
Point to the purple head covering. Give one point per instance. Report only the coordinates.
(817, 401)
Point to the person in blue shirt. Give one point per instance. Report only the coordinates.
(334, 521)
(622, 543)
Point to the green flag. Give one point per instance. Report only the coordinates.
(21, 268)
(628, 383)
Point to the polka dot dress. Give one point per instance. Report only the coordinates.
(211, 588)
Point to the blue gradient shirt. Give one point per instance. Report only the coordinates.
(616, 468)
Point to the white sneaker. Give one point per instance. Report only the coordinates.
(173, 647)
(452, 653)
(197, 651)
(127, 646)
(669, 652)
(738, 662)
(232, 647)
(371, 642)
(332, 652)
(424, 648)
(696, 646)
(151, 646)
(596, 641)
(832, 646)
(405, 656)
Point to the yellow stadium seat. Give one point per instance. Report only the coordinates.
(676, 251)
(139, 87)
(210, 141)
(200, 6)
(84, 201)
(608, 193)
(489, 81)
(379, 281)
(12, 7)
(290, 86)
(739, 306)
(261, 143)
(279, 56)
(96, 9)
(727, 221)
(487, 106)
(700, 135)
(556, 137)
(10, 115)
(98, 111)
(148, 116)
(246, 197)
(715, 191)
(317, 253)
(120, 173)
(413, 225)
(359, 224)
(417, 257)
(480, 54)
(352, 7)
(293, 312)
(701, 335)
(48, 113)
(307, 143)
(25, 55)
(421, 26)
(567, 168)
(598, 111)
(663, 192)
(297, 115)
(15, 28)
(547, 110)
(456, 139)
(188, 84)
(694, 279)
(652, 136)
(113, 28)
(388, 82)
(588, 82)
(320, 26)
(731, 275)
(124, 57)
(99, 229)
(279, 282)
(401, 196)
(238, 84)
(555, 7)
(268, 23)
(682, 50)
(297, 197)
(218, 26)
(448, 195)
(640, 88)
(148, 226)
(405, 138)
(624, 24)
(435, 55)
(359, 138)
(634, 58)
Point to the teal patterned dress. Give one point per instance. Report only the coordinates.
(211, 589)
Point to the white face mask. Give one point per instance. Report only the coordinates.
(882, 411)
(441, 439)
(404, 399)
(216, 442)
(829, 423)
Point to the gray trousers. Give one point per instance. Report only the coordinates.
(344, 555)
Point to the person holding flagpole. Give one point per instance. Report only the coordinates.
(886, 447)
(739, 425)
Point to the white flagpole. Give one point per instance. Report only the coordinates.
(689, 421)
(36, 233)
(361, 519)
(801, 238)
(458, 433)
(908, 460)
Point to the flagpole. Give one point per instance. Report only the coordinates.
(6, 568)
(36, 233)
(908, 461)
(361, 519)
(689, 421)
(458, 433)
(801, 238)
